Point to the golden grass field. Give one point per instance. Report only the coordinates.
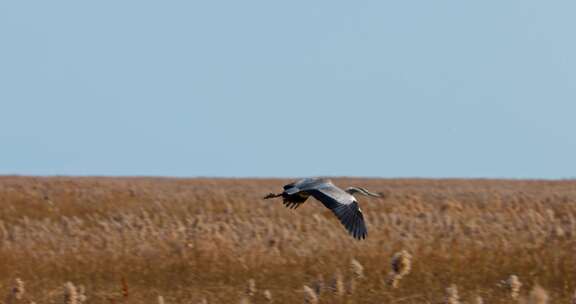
(163, 240)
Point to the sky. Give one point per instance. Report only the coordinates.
(288, 88)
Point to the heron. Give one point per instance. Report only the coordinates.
(341, 202)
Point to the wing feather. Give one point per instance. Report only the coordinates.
(344, 206)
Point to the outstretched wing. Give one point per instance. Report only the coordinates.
(344, 206)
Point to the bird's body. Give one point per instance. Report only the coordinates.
(341, 202)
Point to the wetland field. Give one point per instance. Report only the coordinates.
(175, 240)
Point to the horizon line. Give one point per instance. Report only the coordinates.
(3, 175)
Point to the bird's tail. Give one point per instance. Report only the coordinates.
(272, 195)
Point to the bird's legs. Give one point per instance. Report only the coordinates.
(272, 195)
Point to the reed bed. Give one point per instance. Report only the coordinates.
(164, 240)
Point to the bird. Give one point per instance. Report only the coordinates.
(341, 202)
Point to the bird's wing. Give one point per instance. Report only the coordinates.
(344, 206)
(305, 185)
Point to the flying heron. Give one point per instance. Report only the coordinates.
(341, 202)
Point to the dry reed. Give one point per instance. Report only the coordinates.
(538, 295)
(401, 266)
(251, 289)
(357, 269)
(452, 296)
(338, 284)
(310, 296)
(187, 239)
(267, 296)
(70, 294)
(513, 285)
(16, 294)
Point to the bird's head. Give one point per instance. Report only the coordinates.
(360, 190)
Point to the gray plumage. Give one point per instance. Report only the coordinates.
(341, 202)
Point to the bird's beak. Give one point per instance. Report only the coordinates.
(372, 193)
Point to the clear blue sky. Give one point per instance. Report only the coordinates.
(288, 88)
